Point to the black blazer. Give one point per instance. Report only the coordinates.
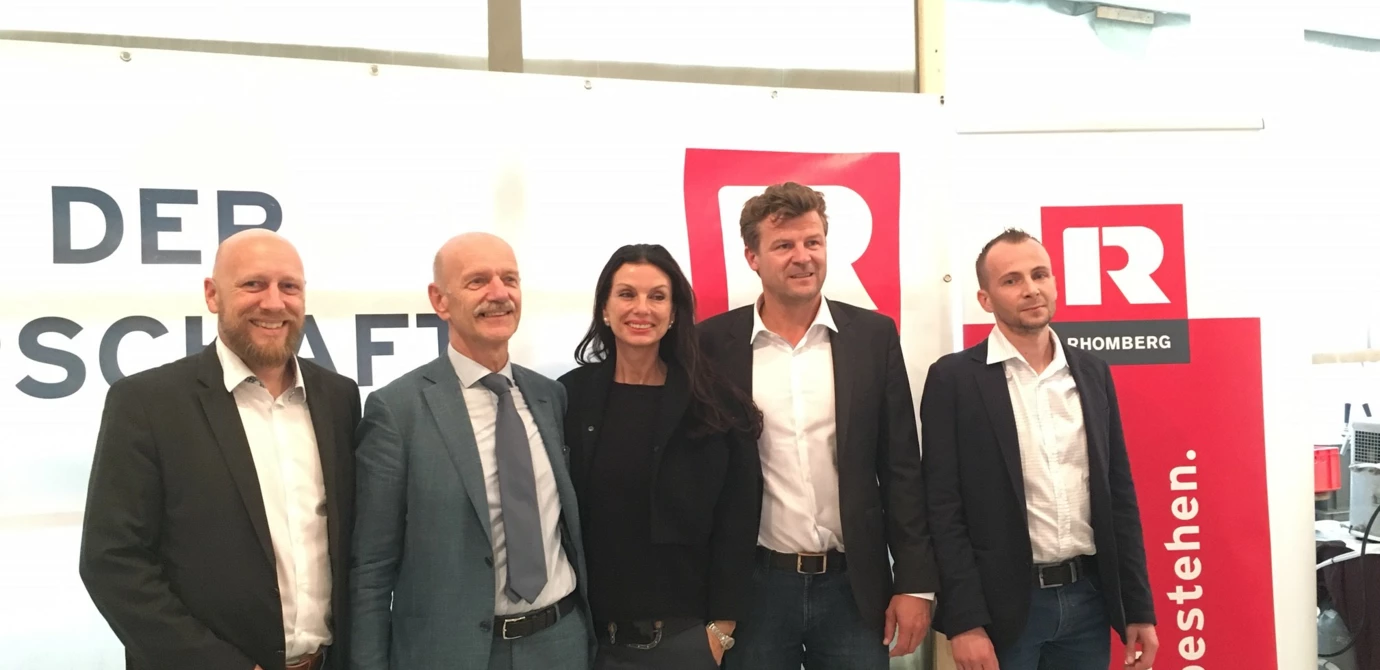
(881, 489)
(175, 547)
(705, 490)
(977, 497)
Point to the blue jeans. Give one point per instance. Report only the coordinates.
(805, 619)
(1067, 629)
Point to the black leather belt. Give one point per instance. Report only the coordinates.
(1054, 575)
(514, 627)
(805, 564)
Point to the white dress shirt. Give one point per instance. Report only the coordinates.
(283, 444)
(794, 388)
(483, 410)
(1054, 451)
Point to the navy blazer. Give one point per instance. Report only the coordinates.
(977, 497)
(881, 490)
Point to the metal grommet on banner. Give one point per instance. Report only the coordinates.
(374, 70)
(948, 279)
(124, 56)
(773, 94)
(588, 84)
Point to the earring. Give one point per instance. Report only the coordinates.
(606, 322)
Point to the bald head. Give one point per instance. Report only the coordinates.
(468, 247)
(477, 290)
(242, 247)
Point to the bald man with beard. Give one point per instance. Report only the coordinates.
(220, 504)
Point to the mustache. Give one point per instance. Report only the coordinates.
(504, 306)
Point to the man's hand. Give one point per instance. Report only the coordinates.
(1143, 633)
(912, 615)
(973, 650)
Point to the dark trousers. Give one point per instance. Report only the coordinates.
(1067, 629)
(686, 649)
(809, 620)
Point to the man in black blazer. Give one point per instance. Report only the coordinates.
(1031, 500)
(220, 504)
(842, 479)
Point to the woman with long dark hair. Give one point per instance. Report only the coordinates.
(664, 461)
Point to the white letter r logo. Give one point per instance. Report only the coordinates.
(1083, 264)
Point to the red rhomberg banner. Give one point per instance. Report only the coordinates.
(1192, 410)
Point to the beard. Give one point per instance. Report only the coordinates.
(235, 333)
(1022, 323)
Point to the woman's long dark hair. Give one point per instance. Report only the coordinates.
(712, 397)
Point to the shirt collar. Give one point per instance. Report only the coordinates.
(236, 372)
(1000, 350)
(470, 372)
(824, 317)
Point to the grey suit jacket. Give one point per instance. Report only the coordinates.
(421, 574)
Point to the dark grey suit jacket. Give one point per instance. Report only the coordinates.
(422, 575)
(175, 548)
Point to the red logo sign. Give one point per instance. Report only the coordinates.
(863, 197)
(1117, 263)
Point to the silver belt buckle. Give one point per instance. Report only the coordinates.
(505, 627)
(656, 639)
(1073, 574)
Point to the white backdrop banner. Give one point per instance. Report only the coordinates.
(119, 178)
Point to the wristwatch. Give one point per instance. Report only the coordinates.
(724, 640)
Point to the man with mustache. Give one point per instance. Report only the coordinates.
(467, 546)
(220, 504)
(1031, 500)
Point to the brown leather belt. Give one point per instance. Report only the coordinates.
(805, 564)
(514, 627)
(312, 661)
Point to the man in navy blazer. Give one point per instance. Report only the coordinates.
(450, 568)
(1031, 499)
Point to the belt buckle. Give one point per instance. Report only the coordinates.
(505, 627)
(800, 563)
(1073, 574)
(656, 639)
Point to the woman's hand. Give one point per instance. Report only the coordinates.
(715, 647)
